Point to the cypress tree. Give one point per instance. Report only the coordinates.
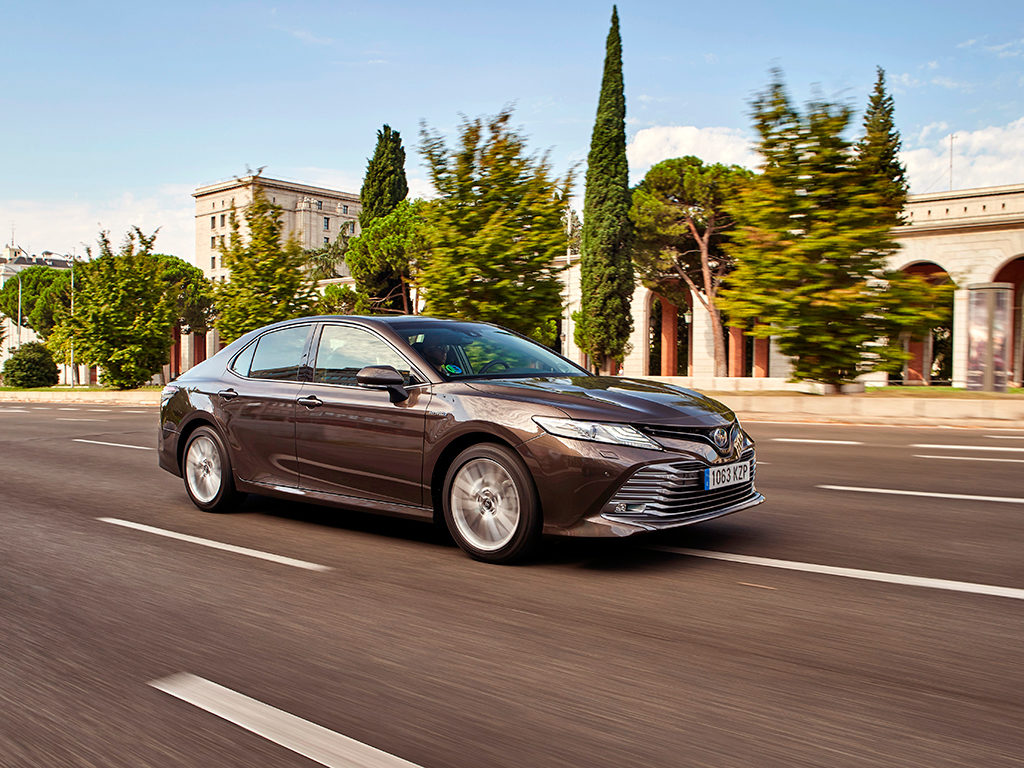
(604, 321)
(878, 152)
(384, 185)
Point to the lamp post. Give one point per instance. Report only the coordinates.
(18, 274)
(74, 370)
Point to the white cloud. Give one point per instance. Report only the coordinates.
(983, 158)
(951, 84)
(69, 225)
(712, 145)
(905, 80)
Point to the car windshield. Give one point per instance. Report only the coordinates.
(472, 350)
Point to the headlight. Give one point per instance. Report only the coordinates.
(597, 432)
(166, 394)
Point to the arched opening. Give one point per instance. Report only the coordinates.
(1013, 272)
(931, 357)
(668, 338)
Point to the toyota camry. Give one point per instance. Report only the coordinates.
(464, 422)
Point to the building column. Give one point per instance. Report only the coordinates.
(737, 352)
(188, 351)
(761, 349)
(961, 343)
(669, 338)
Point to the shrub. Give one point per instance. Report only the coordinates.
(31, 365)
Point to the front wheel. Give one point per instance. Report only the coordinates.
(207, 471)
(490, 505)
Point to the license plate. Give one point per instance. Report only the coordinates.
(726, 474)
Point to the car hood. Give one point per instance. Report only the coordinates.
(612, 398)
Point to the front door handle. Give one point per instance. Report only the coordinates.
(310, 401)
(228, 394)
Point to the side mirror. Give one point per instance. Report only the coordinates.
(383, 377)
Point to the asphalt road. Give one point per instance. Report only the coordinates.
(378, 642)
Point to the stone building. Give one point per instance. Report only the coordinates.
(975, 236)
(314, 215)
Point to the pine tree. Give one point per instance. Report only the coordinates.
(383, 258)
(879, 149)
(813, 244)
(269, 281)
(384, 185)
(604, 321)
(495, 230)
(683, 215)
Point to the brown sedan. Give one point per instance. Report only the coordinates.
(428, 418)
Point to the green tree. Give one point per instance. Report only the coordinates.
(269, 281)
(189, 291)
(495, 229)
(384, 257)
(44, 291)
(327, 261)
(343, 300)
(604, 322)
(813, 244)
(573, 230)
(682, 214)
(31, 365)
(123, 312)
(878, 152)
(384, 185)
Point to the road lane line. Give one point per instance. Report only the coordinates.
(319, 744)
(69, 409)
(59, 418)
(99, 410)
(966, 458)
(13, 410)
(1006, 437)
(115, 445)
(930, 494)
(217, 545)
(853, 573)
(966, 447)
(803, 440)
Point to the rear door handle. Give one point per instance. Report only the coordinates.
(228, 394)
(310, 401)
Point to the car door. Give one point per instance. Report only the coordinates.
(257, 406)
(352, 440)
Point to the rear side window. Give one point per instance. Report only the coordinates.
(278, 354)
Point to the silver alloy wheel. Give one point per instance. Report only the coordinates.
(203, 469)
(485, 504)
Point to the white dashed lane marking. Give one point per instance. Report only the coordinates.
(853, 573)
(319, 744)
(217, 545)
(825, 442)
(967, 458)
(967, 447)
(929, 494)
(113, 445)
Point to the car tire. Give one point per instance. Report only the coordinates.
(490, 504)
(206, 469)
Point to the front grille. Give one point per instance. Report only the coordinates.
(672, 492)
(699, 434)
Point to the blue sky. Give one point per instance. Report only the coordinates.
(114, 112)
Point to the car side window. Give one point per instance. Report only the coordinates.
(345, 350)
(279, 353)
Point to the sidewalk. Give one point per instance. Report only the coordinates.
(1006, 413)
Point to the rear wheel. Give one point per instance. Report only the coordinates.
(207, 471)
(490, 505)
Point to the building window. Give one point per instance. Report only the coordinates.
(352, 227)
(213, 222)
(344, 209)
(213, 262)
(327, 241)
(319, 205)
(222, 241)
(223, 218)
(213, 241)
(327, 223)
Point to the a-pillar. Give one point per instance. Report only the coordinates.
(669, 339)
(737, 352)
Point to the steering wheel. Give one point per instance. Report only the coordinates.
(487, 366)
